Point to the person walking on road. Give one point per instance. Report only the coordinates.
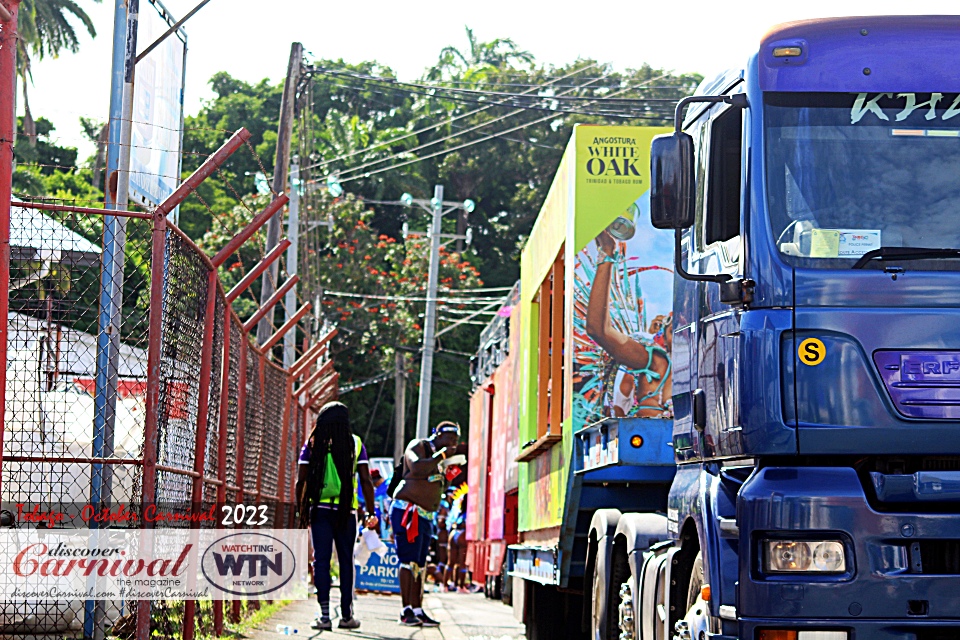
(416, 498)
(326, 486)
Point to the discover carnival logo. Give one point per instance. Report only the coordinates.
(155, 564)
(249, 564)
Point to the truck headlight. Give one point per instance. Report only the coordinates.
(813, 556)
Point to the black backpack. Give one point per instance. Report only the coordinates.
(395, 480)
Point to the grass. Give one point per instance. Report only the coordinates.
(249, 619)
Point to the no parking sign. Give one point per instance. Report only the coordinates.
(380, 573)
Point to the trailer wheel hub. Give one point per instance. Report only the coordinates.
(625, 613)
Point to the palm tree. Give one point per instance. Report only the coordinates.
(45, 30)
(498, 53)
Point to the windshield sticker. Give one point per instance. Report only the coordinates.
(843, 243)
(854, 243)
(824, 243)
(865, 104)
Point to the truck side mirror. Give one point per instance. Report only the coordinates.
(672, 181)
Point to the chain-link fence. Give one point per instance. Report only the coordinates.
(132, 386)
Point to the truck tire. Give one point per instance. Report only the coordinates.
(600, 591)
(553, 614)
(696, 581)
(605, 621)
(696, 621)
(507, 589)
(636, 533)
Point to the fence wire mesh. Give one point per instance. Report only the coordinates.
(76, 393)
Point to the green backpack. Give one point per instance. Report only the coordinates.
(330, 491)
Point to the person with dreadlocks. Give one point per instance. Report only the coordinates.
(330, 462)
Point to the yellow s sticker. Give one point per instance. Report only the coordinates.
(812, 351)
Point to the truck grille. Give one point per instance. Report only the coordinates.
(940, 557)
(951, 633)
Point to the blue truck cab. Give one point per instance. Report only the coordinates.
(815, 198)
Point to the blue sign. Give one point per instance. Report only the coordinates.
(380, 574)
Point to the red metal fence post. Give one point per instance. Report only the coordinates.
(240, 450)
(200, 443)
(222, 444)
(257, 270)
(284, 435)
(8, 128)
(151, 418)
(270, 303)
(287, 326)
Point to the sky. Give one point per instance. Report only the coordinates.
(251, 40)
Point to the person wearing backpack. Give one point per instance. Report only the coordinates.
(330, 462)
(418, 487)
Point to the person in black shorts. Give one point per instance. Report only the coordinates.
(412, 527)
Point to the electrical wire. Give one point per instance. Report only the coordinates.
(439, 90)
(641, 103)
(435, 126)
(461, 146)
(352, 170)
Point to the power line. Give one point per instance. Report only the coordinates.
(439, 90)
(434, 126)
(464, 300)
(644, 104)
(460, 146)
(360, 167)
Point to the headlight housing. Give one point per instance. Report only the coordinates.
(804, 556)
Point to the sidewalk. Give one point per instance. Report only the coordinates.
(462, 617)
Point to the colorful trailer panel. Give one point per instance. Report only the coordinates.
(595, 312)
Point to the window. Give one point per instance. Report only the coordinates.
(723, 188)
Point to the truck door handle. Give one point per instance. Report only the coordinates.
(699, 410)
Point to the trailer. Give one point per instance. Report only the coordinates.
(492, 470)
(596, 279)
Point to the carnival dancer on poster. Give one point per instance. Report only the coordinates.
(624, 338)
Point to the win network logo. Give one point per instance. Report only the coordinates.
(249, 564)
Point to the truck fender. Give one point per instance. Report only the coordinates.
(603, 526)
(640, 531)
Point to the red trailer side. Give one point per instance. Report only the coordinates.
(494, 433)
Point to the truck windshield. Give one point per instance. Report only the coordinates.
(851, 173)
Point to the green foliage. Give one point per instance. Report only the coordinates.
(356, 128)
(41, 151)
(47, 26)
(49, 170)
(237, 105)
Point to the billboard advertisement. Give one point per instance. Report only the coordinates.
(157, 126)
(618, 300)
(623, 321)
(622, 285)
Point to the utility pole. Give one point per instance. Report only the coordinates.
(434, 206)
(399, 406)
(430, 317)
(284, 136)
(293, 234)
(117, 188)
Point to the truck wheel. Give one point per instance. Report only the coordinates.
(553, 614)
(506, 582)
(696, 623)
(606, 624)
